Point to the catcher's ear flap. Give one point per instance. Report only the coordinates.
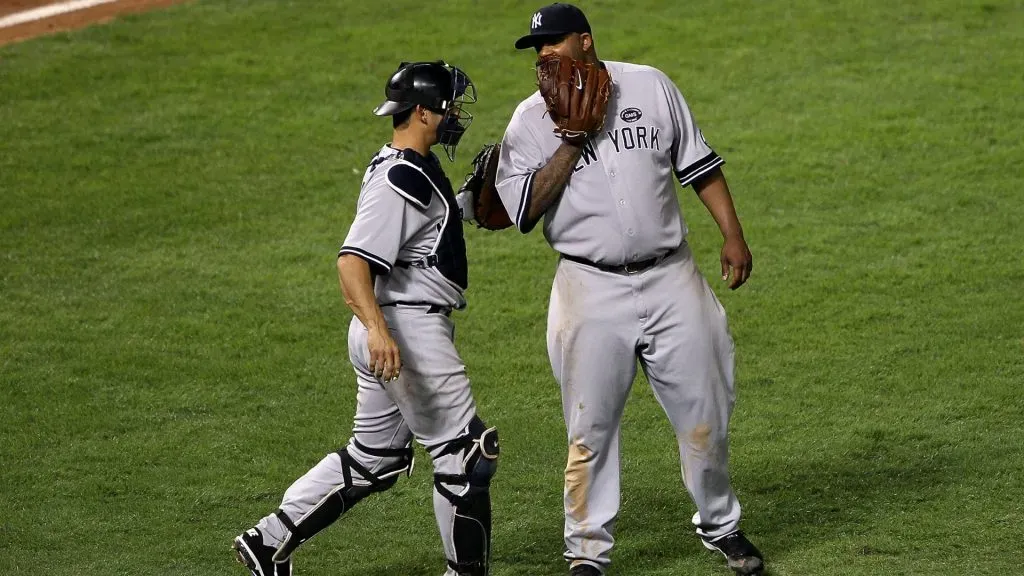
(411, 183)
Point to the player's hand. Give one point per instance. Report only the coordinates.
(385, 361)
(736, 261)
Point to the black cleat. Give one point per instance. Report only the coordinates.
(742, 556)
(257, 556)
(584, 570)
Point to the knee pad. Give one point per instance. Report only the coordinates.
(477, 450)
(345, 496)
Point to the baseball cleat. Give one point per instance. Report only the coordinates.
(251, 552)
(743, 557)
(584, 570)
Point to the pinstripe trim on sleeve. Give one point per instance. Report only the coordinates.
(376, 262)
(699, 168)
(523, 222)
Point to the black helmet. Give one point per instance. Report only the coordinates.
(436, 86)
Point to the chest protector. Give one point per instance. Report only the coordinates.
(421, 180)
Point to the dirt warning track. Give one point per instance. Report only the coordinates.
(24, 19)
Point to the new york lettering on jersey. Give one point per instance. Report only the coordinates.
(408, 228)
(620, 204)
(642, 137)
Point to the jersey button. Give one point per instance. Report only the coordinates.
(612, 173)
(629, 231)
(622, 202)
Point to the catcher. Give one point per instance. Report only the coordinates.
(402, 270)
(593, 153)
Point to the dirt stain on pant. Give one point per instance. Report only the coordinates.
(577, 480)
(700, 438)
(695, 444)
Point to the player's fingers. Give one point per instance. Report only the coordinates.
(737, 277)
(375, 361)
(393, 364)
(386, 374)
(742, 278)
(398, 362)
(725, 268)
(742, 272)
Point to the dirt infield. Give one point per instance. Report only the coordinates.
(70, 20)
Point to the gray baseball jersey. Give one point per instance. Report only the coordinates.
(620, 206)
(403, 224)
(621, 203)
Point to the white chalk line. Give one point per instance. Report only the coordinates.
(49, 11)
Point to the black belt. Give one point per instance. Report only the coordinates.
(428, 261)
(431, 308)
(627, 268)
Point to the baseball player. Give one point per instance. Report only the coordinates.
(402, 270)
(626, 288)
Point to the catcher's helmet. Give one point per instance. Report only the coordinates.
(436, 86)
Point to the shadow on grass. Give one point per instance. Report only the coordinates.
(814, 499)
(797, 502)
(534, 549)
(422, 565)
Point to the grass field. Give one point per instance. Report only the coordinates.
(172, 341)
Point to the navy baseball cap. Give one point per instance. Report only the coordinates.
(552, 21)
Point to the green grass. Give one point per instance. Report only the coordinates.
(172, 341)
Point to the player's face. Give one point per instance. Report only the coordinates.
(574, 46)
(431, 121)
(427, 122)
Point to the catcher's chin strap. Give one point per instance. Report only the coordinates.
(471, 526)
(345, 496)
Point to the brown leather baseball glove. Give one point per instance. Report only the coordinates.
(576, 94)
(488, 211)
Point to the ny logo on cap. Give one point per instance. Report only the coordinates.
(535, 22)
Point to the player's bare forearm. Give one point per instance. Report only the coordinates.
(713, 191)
(550, 181)
(357, 289)
(736, 258)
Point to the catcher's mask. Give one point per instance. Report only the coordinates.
(436, 86)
